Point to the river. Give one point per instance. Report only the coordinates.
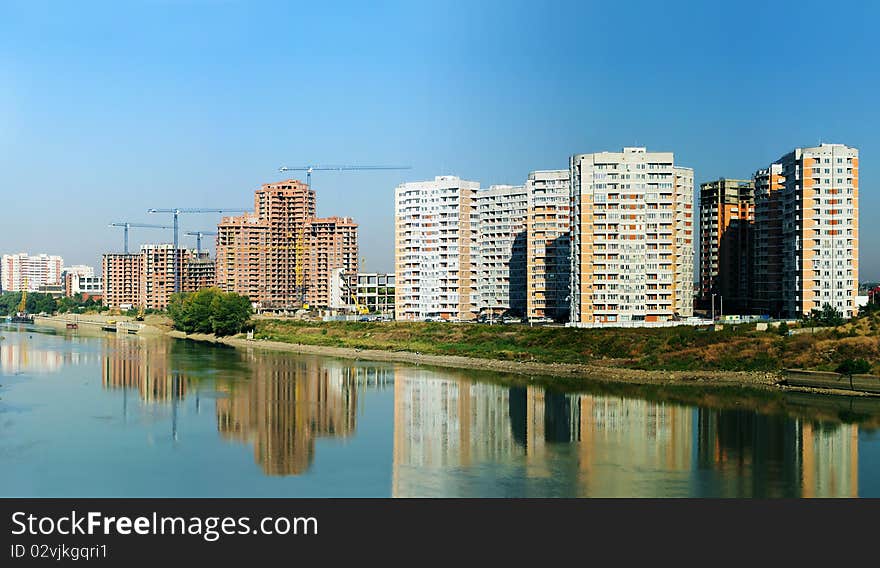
(121, 415)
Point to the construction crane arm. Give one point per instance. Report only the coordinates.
(141, 225)
(339, 168)
(200, 210)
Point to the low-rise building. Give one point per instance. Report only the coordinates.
(88, 286)
(375, 292)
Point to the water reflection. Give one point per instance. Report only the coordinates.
(596, 445)
(284, 407)
(455, 436)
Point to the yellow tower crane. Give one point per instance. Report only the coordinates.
(22, 305)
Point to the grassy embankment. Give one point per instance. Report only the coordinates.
(735, 348)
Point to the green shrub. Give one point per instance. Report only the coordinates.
(210, 310)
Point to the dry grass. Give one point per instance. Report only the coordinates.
(736, 348)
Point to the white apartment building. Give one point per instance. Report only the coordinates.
(81, 270)
(632, 238)
(548, 256)
(807, 232)
(501, 284)
(435, 249)
(38, 270)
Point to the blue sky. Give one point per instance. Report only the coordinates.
(109, 108)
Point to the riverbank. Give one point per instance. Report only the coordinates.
(152, 324)
(561, 370)
(743, 358)
(675, 349)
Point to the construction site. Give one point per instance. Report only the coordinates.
(280, 255)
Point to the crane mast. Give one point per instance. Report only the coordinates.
(175, 212)
(299, 246)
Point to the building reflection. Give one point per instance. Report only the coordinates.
(285, 406)
(455, 437)
(144, 366)
(18, 356)
(757, 455)
(278, 404)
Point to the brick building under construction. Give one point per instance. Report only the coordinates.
(281, 256)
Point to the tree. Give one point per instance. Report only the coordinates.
(850, 367)
(209, 311)
(828, 316)
(230, 312)
(782, 329)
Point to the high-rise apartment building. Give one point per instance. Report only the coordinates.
(435, 249)
(157, 274)
(331, 244)
(122, 279)
(146, 279)
(548, 253)
(632, 238)
(806, 245)
(286, 206)
(38, 270)
(501, 243)
(199, 271)
(727, 215)
(282, 256)
(242, 255)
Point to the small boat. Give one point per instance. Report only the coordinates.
(72, 326)
(22, 318)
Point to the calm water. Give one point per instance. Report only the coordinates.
(128, 416)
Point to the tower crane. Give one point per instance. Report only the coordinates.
(300, 248)
(313, 168)
(175, 212)
(126, 226)
(198, 235)
(22, 305)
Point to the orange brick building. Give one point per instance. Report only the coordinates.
(281, 256)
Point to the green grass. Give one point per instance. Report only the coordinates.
(735, 348)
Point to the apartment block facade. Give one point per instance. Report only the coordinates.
(122, 279)
(282, 256)
(806, 245)
(286, 207)
(548, 245)
(242, 255)
(146, 279)
(727, 216)
(332, 244)
(436, 249)
(631, 239)
(501, 244)
(199, 271)
(37, 270)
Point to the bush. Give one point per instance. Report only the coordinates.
(209, 311)
(828, 316)
(853, 367)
